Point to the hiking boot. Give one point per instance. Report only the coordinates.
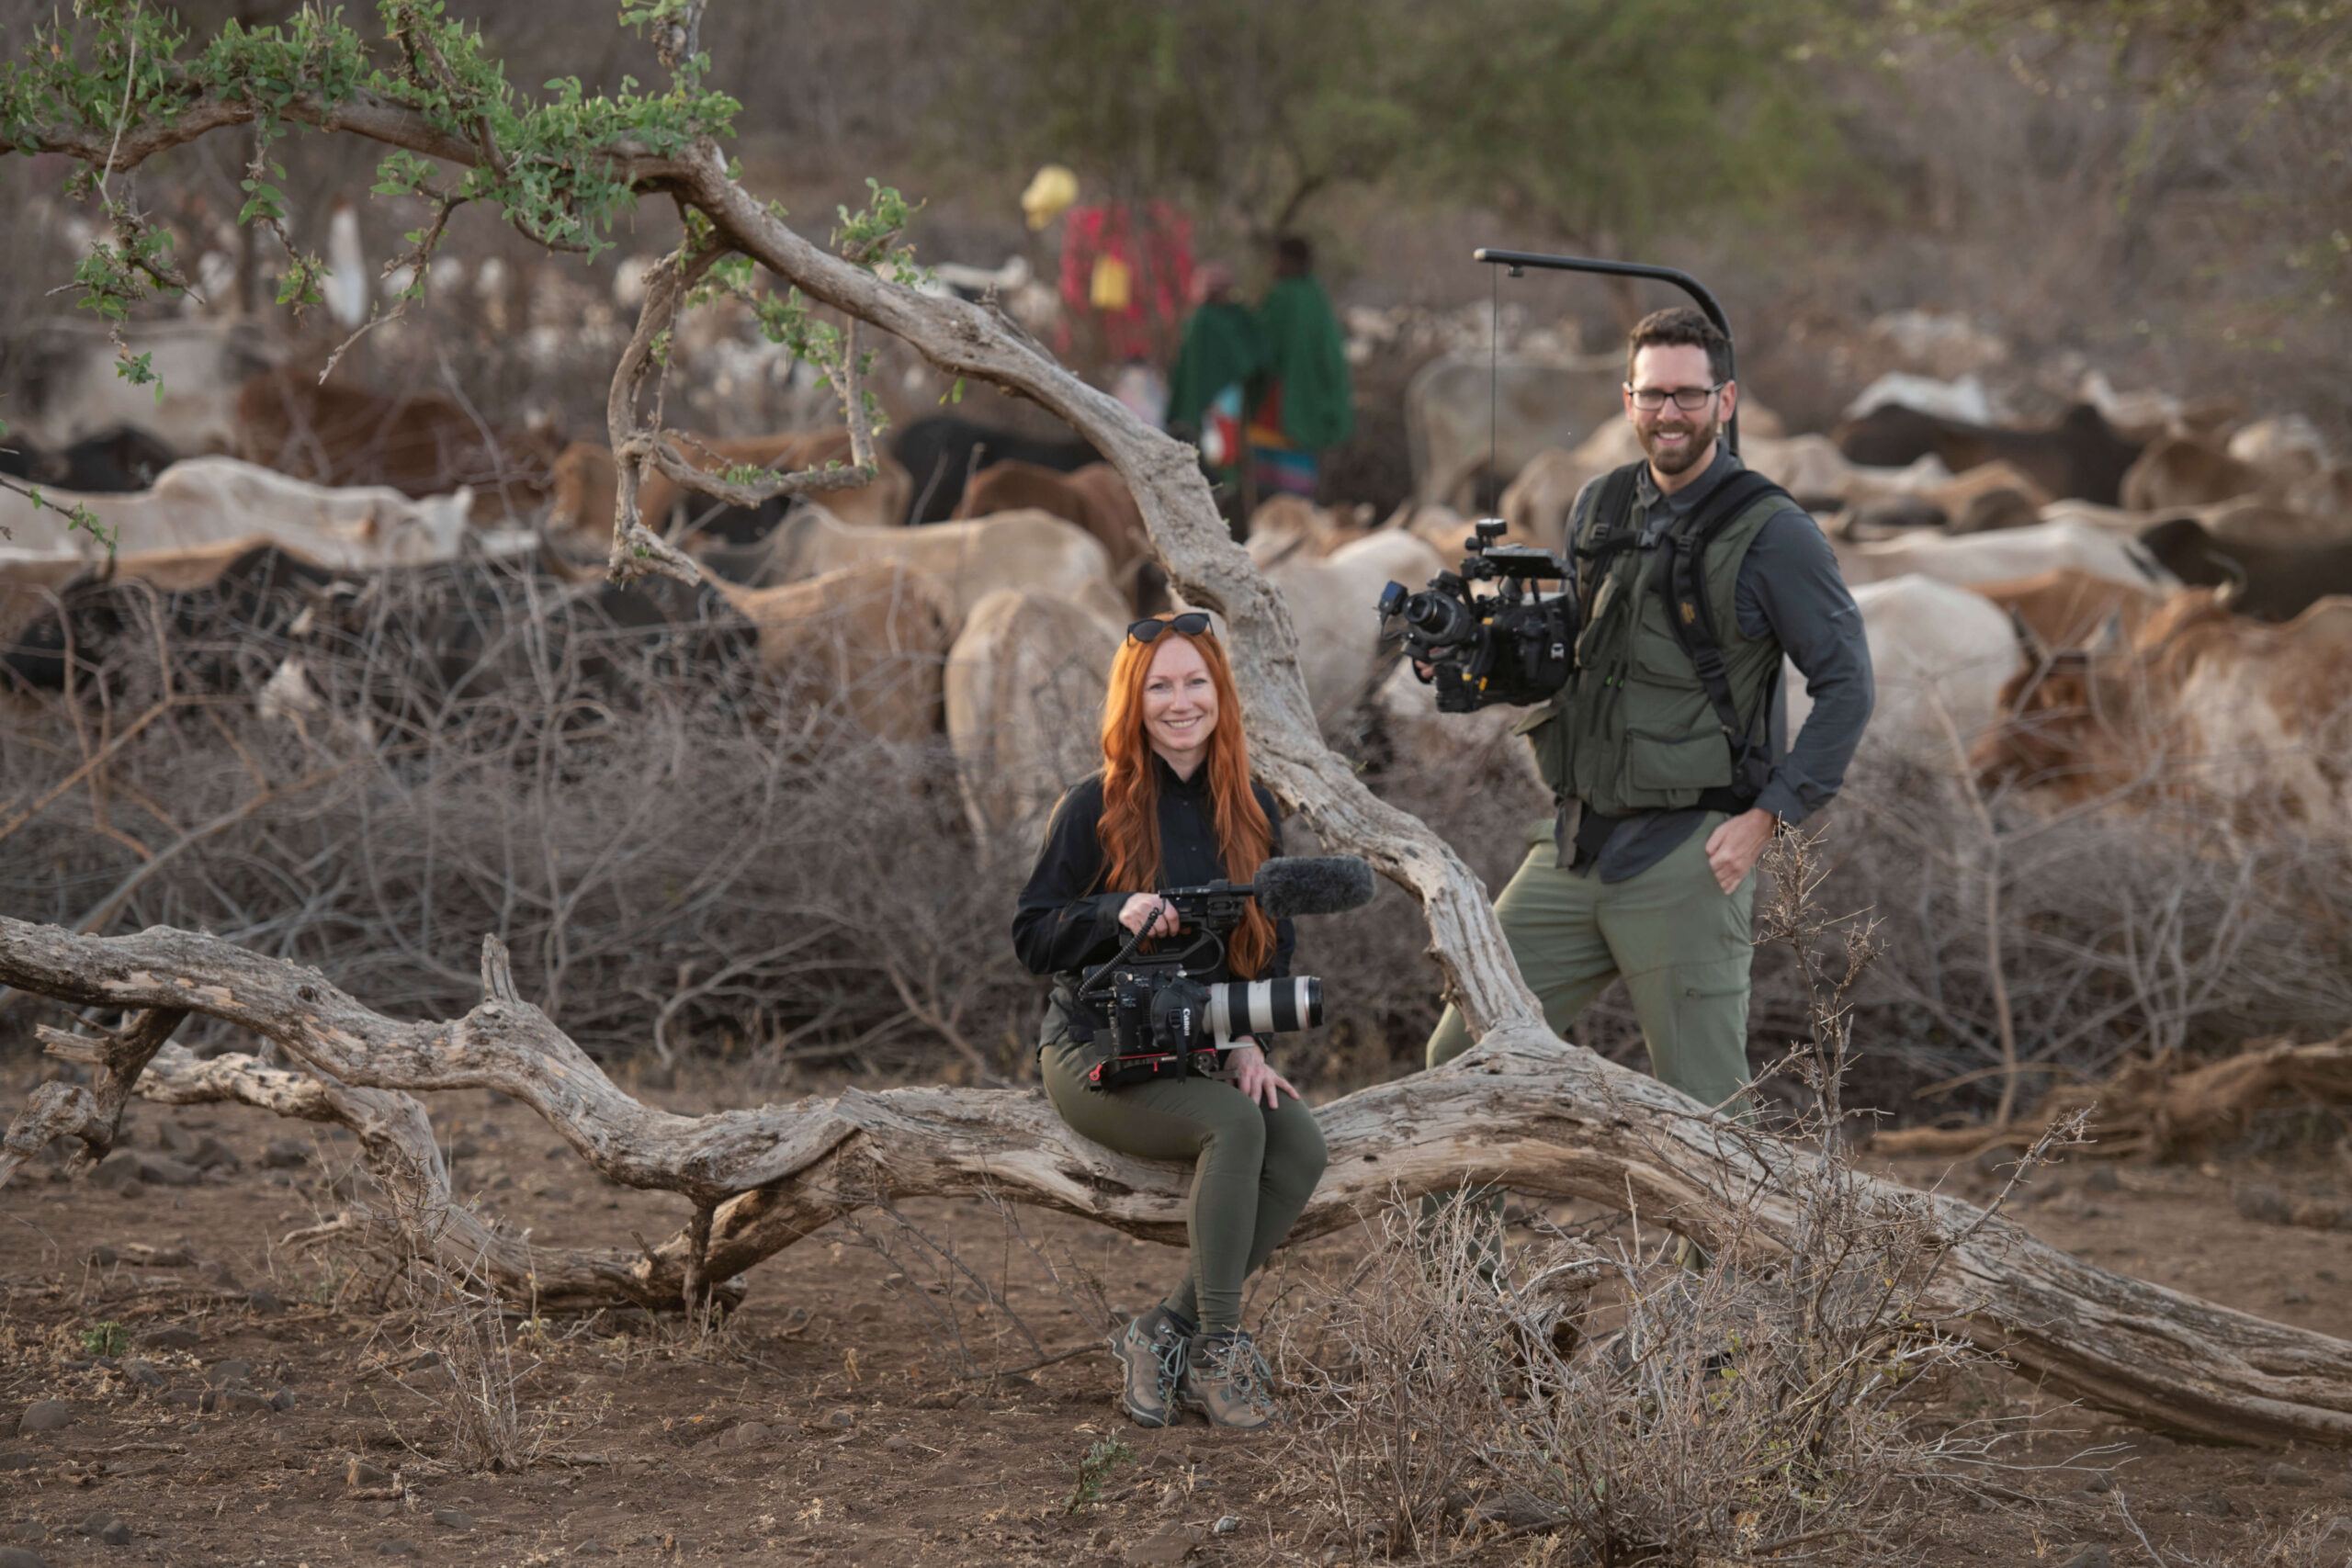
(1152, 1348)
(1226, 1381)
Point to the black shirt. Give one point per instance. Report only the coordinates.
(1066, 920)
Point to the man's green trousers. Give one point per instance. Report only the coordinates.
(1677, 940)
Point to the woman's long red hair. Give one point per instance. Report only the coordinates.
(1130, 826)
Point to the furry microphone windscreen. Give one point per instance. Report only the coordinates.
(1312, 884)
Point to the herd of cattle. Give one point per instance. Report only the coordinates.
(2105, 607)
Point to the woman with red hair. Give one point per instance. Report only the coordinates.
(1175, 806)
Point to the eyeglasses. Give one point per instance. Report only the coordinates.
(1649, 399)
(1192, 623)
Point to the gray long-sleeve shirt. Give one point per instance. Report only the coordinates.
(1788, 589)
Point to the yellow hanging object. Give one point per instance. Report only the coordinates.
(1052, 189)
(1112, 285)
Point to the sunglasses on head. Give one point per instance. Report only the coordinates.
(1192, 623)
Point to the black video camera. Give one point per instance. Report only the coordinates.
(1511, 645)
(1165, 1020)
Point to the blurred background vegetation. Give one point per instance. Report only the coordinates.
(2157, 187)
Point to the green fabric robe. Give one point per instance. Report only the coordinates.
(1308, 356)
(1221, 347)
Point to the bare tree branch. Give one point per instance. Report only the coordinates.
(1549, 1121)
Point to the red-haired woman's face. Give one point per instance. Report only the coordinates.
(1179, 704)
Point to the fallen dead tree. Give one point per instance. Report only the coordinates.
(2157, 1106)
(1546, 1119)
(1523, 1110)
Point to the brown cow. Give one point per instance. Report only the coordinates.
(1288, 526)
(866, 644)
(2201, 708)
(587, 489)
(2177, 472)
(1094, 497)
(1989, 496)
(420, 446)
(2071, 608)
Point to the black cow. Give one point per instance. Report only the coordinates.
(124, 459)
(940, 452)
(736, 526)
(225, 637)
(2082, 455)
(2276, 583)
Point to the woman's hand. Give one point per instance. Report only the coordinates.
(1254, 1079)
(1151, 907)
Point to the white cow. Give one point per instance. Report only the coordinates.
(2007, 553)
(1025, 683)
(1424, 737)
(1937, 651)
(1030, 549)
(207, 500)
(67, 387)
(1536, 503)
(1535, 405)
(1964, 399)
(1332, 603)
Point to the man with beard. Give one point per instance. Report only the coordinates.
(1665, 750)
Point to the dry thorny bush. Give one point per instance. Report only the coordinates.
(461, 1360)
(680, 860)
(1627, 1399)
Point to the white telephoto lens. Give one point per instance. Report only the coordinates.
(1261, 1007)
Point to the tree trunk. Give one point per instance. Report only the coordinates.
(1549, 1120)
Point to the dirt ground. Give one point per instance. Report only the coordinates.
(834, 1419)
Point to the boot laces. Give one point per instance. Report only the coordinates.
(1236, 1361)
(1167, 1349)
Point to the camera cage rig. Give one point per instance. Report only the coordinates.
(1165, 1019)
(1452, 633)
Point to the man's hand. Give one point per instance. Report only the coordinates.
(1254, 1079)
(1732, 849)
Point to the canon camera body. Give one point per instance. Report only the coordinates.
(1513, 645)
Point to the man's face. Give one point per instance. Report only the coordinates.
(1672, 436)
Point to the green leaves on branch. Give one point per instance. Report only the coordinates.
(557, 167)
(124, 78)
(80, 517)
(864, 238)
(561, 168)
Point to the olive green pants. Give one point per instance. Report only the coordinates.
(1678, 941)
(1253, 1170)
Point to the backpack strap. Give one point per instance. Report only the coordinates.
(1612, 510)
(1692, 618)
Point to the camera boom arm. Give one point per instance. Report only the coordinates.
(1519, 261)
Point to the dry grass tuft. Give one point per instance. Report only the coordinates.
(1621, 1396)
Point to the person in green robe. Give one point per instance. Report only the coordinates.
(1219, 355)
(1303, 403)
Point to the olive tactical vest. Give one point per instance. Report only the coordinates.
(1634, 728)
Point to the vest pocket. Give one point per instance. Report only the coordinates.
(1677, 762)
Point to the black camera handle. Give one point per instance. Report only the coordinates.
(1086, 986)
(1518, 262)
